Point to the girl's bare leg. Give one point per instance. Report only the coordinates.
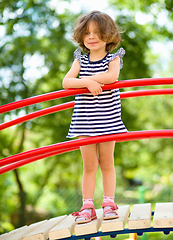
(90, 166)
(106, 162)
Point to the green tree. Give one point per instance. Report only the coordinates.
(155, 19)
(147, 24)
(34, 32)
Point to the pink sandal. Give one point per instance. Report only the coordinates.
(87, 216)
(112, 209)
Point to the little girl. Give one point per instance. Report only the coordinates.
(98, 112)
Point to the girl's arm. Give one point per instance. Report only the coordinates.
(71, 80)
(108, 77)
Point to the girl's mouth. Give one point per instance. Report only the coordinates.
(92, 43)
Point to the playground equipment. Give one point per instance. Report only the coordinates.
(63, 227)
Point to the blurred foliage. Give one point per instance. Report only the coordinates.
(36, 52)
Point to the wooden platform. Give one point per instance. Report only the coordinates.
(64, 227)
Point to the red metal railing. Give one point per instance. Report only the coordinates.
(71, 92)
(68, 105)
(21, 159)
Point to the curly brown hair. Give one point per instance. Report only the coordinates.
(109, 31)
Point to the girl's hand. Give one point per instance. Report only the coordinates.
(94, 87)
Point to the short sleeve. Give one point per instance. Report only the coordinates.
(120, 53)
(77, 55)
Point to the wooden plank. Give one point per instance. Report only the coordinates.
(64, 229)
(140, 216)
(5, 236)
(20, 234)
(163, 215)
(41, 233)
(91, 227)
(118, 223)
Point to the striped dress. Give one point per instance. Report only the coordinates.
(101, 114)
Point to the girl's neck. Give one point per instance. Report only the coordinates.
(97, 55)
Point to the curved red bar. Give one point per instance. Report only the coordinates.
(68, 105)
(40, 153)
(37, 114)
(149, 92)
(71, 92)
(21, 159)
(20, 163)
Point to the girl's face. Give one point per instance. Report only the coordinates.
(91, 38)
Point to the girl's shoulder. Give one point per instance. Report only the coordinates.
(78, 55)
(120, 53)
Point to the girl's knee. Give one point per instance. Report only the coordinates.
(90, 167)
(106, 164)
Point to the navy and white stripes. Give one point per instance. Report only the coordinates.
(101, 114)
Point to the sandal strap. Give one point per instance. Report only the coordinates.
(87, 206)
(110, 210)
(86, 215)
(110, 204)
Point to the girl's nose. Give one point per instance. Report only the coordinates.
(91, 35)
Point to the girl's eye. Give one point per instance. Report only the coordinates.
(86, 33)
